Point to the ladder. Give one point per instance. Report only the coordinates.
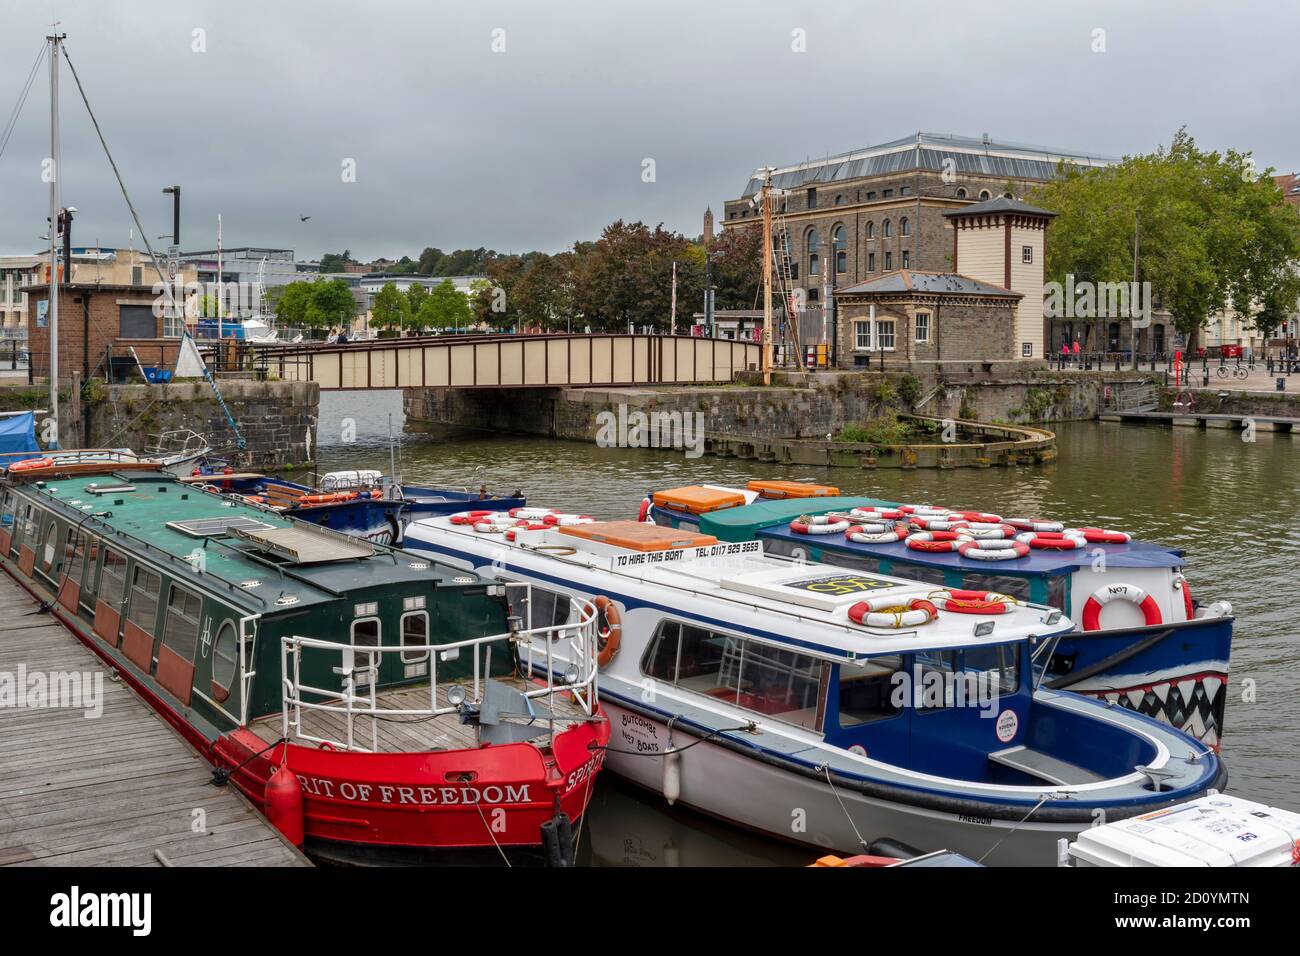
(784, 284)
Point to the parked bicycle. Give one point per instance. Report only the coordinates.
(1236, 371)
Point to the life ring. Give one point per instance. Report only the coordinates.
(1052, 540)
(887, 612)
(1180, 584)
(30, 464)
(934, 541)
(978, 517)
(327, 499)
(495, 525)
(860, 535)
(609, 629)
(512, 533)
(924, 511)
(643, 515)
(1102, 535)
(980, 529)
(559, 520)
(530, 514)
(936, 524)
(878, 514)
(993, 549)
(1031, 524)
(470, 517)
(819, 524)
(1123, 592)
(974, 602)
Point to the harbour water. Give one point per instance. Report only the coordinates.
(1228, 503)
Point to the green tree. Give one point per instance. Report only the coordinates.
(1214, 232)
(391, 310)
(291, 303)
(335, 261)
(445, 308)
(331, 305)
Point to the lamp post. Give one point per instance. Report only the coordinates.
(175, 192)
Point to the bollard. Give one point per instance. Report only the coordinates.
(1205, 379)
(1281, 384)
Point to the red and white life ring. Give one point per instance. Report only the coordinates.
(643, 515)
(498, 523)
(935, 541)
(30, 464)
(1053, 540)
(560, 520)
(974, 602)
(1032, 524)
(876, 533)
(1119, 592)
(982, 529)
(819, 524)
(1180, 584)
(1102, 535)
(878, 514)
(944, 523)
(530, 514)
(512, 533)
(993, 549)
(925, 511)
(979, 517)
(470, 517)
(887, 612)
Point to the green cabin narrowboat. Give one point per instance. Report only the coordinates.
(388, 686)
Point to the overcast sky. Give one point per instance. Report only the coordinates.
(456, 145)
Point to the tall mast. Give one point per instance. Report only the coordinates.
(767, 275)
(55, 172)
(220, 323)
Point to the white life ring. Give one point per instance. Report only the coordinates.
(1119, 592)
(1052, 540)
(878, 514)
(993, 549)
(819, 524)
(530, 514)
(937, 524)
(887, 612)
(924, 511)
(1102, 535)
(975, 517)
(496, 525)
(1031, 524)
(560, 520)
(470, 517)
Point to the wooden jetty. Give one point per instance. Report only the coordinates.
(120, 789)
(1191, 419)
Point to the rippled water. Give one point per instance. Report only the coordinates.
(1231, 505)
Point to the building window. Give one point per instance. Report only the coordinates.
(814, 243)
(889, 262)
(885, 335)
(871, 195)
(812, 199)
(839, 199)
(961, 192)
(839, 244)
(871, 262)
(888, 228)
(871, 230)
(1027, 349)
(1027, 254)
(922, 328)
(862, 335)
(984, 194)
(812, 294)
(885, 194)
(869, 336)
(907, 259)
(904, 228)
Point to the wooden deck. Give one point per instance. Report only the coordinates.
(400, 734)
(118, 790)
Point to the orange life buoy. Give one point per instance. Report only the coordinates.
(31, 463)
(327, 499)
(609, 629)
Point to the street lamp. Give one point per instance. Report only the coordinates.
(175, 192)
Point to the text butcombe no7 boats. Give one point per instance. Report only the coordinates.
(376, 704)
(831, 706)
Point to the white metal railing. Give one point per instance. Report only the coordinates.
(570, 645)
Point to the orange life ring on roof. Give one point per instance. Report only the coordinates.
(32, 463)
(609, 629)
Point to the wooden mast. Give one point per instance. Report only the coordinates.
(767, 275)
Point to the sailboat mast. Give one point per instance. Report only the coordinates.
(767, 276)
(221, 326)
(54, 174)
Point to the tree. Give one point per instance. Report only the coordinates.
(444, 308)
(331, 305)
(1214, 233)
(415, 296)
(335, 261)
(291, 303)
(391, 310)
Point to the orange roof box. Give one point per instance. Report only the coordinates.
(792, 489)
(639, 536)
(697, 499)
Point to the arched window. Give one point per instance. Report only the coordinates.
(889, 228)
(984, 194)
(839, 245)
(961, 192)
(871, 230)
(839, 199)
(814, 243)
(903, 228)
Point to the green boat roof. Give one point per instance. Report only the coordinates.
(143, 516)
(743, 523)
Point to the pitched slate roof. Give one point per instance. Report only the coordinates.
(999, 204)
(927, 283)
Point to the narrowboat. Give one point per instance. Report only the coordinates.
(363, 503)
(830, 706)
(374, 703)
(1142, 641)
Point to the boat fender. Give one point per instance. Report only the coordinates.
(283, 802)
(819, 524)
(1119, 592)
(1180, 584)
(672, 776)
(974, 602)
(993, 550)
(609, 629)
(887, 612)
(557, 839)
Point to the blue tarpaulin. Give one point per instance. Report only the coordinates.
(18, 438)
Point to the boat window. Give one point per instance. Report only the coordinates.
(47, 546)
(934, 681)
(181, 628)
(29, 525)
(919, 572)
(858, 562)
(709, 663)
(1009, 584)
(415, 631)
(999, 665)
(112, 582)
(365, 633)
(143, 608)
(547, 608)
(780, 683)
(74, 553)
(225, 656)
(867, 690)
(7, 511)
(660, 660)
(1058, 592)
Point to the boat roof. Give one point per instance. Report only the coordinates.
(291, 562)
(804, 603)
(771, 520)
